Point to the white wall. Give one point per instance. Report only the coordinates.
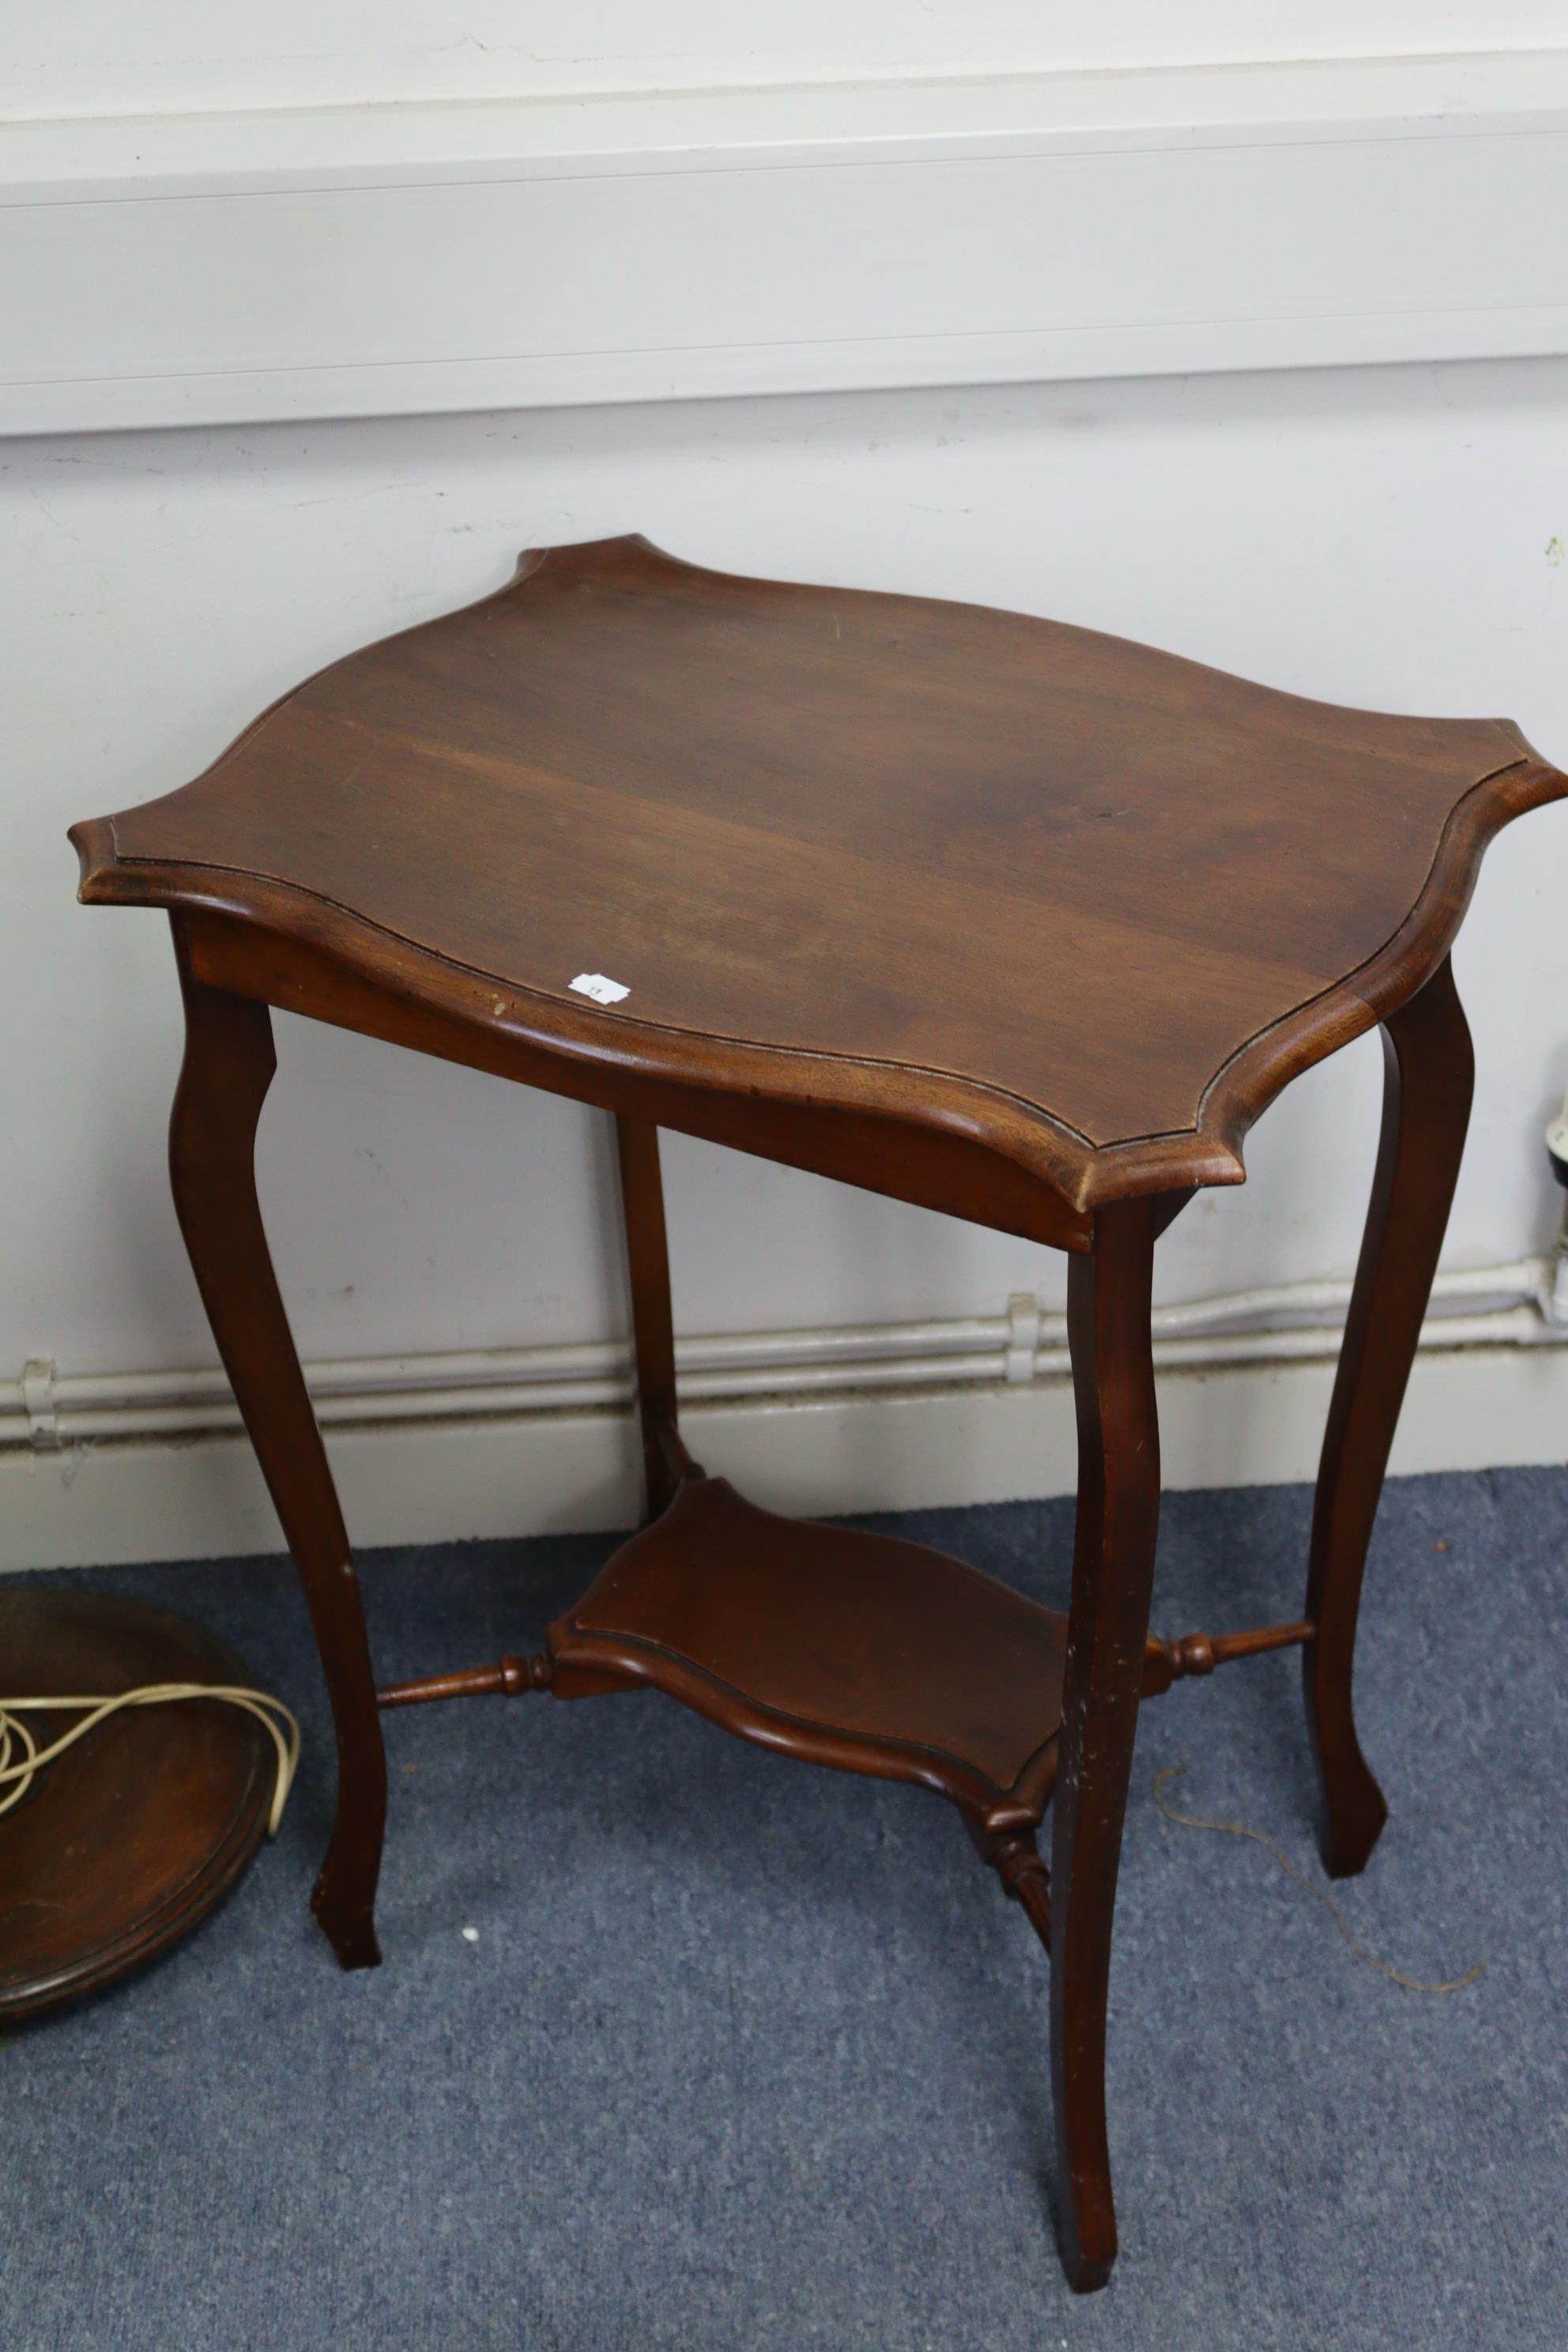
(1390, 536)
(83, 58)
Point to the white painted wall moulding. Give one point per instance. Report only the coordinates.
(392, 260)
(105, 1468)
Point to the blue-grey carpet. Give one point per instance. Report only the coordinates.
(750, 2055)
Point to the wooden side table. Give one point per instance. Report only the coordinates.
(1010, 920)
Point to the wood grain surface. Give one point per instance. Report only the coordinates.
(1079, 900)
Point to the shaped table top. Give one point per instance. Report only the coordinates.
(1086, 903)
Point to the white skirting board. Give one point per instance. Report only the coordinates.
(500, 1474)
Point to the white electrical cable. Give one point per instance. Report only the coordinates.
(16, 1778)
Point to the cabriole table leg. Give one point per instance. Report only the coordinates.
(665, 1461)
(1428, 1075)
(1108, 1626)
(229, 1066)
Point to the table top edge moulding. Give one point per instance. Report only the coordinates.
(790, 801)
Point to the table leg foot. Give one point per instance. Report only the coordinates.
(345, 1917)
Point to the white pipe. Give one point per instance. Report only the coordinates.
(595, 1376)
(1514, 1284)
(1554, 1275)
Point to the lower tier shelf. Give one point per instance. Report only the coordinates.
(858, 1650)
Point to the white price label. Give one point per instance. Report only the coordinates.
(602, 990)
